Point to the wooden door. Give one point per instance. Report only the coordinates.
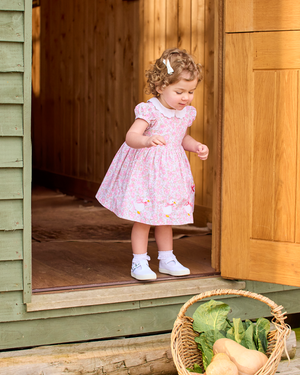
(261, 160)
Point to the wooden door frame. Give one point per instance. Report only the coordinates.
(217, 147)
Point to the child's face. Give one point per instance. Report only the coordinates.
(178, 95)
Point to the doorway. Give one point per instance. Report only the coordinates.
(85, 57)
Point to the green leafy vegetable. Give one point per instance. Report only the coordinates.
(205, 343)
(211, 322)
(211, 315)
(262, 327)
(197, 369)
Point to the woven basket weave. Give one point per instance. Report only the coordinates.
(185, 351)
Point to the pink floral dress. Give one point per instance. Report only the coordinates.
(153, 185)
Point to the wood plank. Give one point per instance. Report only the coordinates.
(139, 292)
(216, 151)
(142, 355)
(11, 57)
(238, 15)
(148, 49)
(297, 228)
(11, 26)
(11, 215)
(11, 183)
(264, 155)
(67, 74)
(184, 27)
(12, 308)
(197, 129)
(27, 179)
(277, 268)
(119, 132)
(11, 152)
(99, 107)
(11, 88)
(11, 275)
(11, 120)
(276, 15)
(11, 245)
(237, 138)
(171, 23)
(12, 4)
(209, 132)
(268, 45)
(97, 326)
(160, 27)
(114, 324)
(285, 155)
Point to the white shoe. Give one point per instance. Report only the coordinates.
(172, 267)
(141, 271)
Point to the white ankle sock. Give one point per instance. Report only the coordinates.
(162, 255)
(138, 257)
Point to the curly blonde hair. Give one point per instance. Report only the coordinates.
(158, 77)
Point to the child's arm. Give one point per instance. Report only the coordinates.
(190, 144)
(136, 139)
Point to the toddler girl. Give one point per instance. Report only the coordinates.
(150, 180)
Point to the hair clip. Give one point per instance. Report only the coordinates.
(168, 65)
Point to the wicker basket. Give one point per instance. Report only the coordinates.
(185, 351)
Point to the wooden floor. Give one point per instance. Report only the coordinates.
(63, 262)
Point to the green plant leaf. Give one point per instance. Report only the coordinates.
(205, 343)
(197, 369)
(210, 316)
(249, 336)
(262, 328)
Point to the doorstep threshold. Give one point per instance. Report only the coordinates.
(132, 293)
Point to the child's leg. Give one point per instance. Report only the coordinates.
(139, 239)
(164, 237)
(167, 261)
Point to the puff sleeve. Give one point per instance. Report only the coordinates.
(144, 111)
(191, 115)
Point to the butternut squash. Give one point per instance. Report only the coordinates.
(247, 361)
(221, 365)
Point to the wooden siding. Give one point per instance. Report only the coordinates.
(15, 178)
(88, 74)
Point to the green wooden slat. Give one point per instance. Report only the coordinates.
(12, 5)
(11, 57)
(12, 308)
(11, 245)
(11, 183)
(123, 323)
(11, 26)
(11, 275)
(11, 116)
(11, 152)
(11, 88)
(27, 263)
(11, 214)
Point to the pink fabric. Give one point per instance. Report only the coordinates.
(152, 185)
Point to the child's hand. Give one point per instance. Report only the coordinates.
(202, 151)
(155, 140)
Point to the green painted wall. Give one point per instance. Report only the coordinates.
(15, 150)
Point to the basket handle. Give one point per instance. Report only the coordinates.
(275, 309)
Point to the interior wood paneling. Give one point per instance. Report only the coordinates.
(89, 61)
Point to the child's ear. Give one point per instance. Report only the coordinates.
(159, 90)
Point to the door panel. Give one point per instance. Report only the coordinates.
(258, 15)
(260, 199)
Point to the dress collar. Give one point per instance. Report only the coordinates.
(169, 113)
